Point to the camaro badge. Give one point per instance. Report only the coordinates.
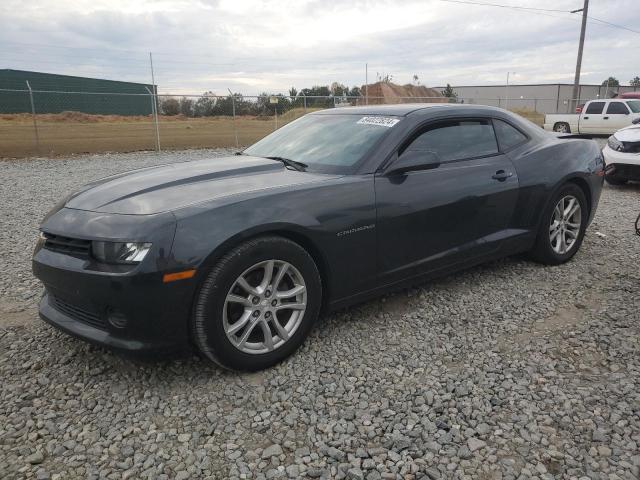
(355, 230)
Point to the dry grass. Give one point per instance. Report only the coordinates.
(531, 115)
(74, 132)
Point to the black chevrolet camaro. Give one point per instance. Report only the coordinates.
(236, 257)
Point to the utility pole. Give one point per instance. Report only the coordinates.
(506, 92)
(576, 81)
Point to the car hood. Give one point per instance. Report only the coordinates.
(629, 134)
(173, 186)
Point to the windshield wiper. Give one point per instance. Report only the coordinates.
(301, 167)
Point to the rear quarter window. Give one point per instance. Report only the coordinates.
(508, 136)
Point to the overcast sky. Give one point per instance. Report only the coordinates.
(256, 46)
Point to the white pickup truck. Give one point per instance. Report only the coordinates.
(598, 117)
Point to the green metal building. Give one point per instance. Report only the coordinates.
(59, 93)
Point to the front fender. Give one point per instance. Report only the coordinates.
(318, 215)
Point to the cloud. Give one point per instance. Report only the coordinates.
(253, 46)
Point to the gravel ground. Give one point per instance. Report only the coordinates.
(509, 370)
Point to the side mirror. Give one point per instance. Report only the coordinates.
(636, 121)
(412, 160)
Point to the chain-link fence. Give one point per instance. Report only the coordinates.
(49, 123)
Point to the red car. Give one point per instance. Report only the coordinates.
(629, 95)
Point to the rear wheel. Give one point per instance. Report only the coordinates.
(562, 127)
(257, 304)
(562, 227)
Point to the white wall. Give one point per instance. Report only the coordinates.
(549, 98)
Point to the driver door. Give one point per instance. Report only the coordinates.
(450, 212)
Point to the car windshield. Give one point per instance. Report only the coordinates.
(327, 143)
(634, 105)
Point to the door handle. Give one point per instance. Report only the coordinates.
(605, 118)
(585, 118)
(501, 175)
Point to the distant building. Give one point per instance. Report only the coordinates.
(59, 93)
(544, 98)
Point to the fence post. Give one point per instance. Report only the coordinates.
(305, 103)
(233, 110)
(35, 122)
(155, 101)
(154, 113)
(235, 127)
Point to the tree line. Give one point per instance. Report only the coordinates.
(209, 104)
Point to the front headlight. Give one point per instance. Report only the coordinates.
(615, 144)
(119, 252)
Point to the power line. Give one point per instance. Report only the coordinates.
(613, 24)
(539, 10)
(514, 7)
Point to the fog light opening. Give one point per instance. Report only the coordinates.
(117, 319)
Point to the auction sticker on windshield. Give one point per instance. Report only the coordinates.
(380, 121)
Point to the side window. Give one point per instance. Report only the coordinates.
(508, 136)
(617, 108)
(456, 140)
(595, 107)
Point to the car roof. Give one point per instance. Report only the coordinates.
(402, 109)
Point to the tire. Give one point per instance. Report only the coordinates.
(613, 180)
(548, 248)
(224, 304)
(562, 127)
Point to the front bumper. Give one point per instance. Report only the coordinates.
(152, 317)
(622, 165)
(128, 309)
(612, 157)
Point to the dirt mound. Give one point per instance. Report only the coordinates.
(76, 117)
(392, 93)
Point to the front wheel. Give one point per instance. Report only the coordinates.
(257, 304)
(562, 227)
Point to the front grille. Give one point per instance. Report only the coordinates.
(80, 314)
(70, 246)
(630, 172)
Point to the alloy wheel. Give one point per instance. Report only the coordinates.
(265, 306)
(565, 224)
